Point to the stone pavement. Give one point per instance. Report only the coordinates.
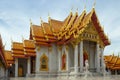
(112, 77)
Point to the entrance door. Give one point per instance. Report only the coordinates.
(20, 71)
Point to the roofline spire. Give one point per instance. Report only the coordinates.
(22, 38)
(48, 16)
(71, 9)
(94, 4)
(11, 40)
(31, 22)
(85, 4)
(41, 20)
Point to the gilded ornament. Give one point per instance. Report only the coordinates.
(50, 49)
(38, 48)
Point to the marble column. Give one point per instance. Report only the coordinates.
(97, 58)
(37, 64)
(81, 56)
(29, 65)
(102, 60)
(6, 73)
(16, 67)
(115, 72)
(59, 57)
(76, 59)
(67, 58)
(50, 53)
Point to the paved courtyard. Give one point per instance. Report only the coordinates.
(112, 77)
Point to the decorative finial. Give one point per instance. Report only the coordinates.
(77, 9)
(41, 20)
(113, 53)
(48, 16)
(23, 38)
(71, 9)
(30, 22)
(11, 40)
(118, 54)
(103, 28)
(94, 4)
(85, 7)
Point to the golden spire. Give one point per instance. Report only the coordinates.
(118, 55)
(113, 53)
(77, 11)
(30, 22)
(85, 5)
(48, 16)
(41, 20)
(103, 28)
(4, 46)
(42, 26)
(11, 40)
(71, 9)
(22, 38)
(94, 4)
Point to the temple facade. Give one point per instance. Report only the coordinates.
(112, 63)
(61, 47)
(3, 63)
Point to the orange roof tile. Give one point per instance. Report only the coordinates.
(28, 44)
(47, 28)
(56, 25)
(8, 55)
(37, 31)
(17, 46)
(18, 52)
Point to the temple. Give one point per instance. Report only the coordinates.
(3, 62)
(112, 64)
(60, 47)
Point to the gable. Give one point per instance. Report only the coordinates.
(90, 33)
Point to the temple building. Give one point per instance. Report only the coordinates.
(3, 63)
(61, 47)
(112, 64)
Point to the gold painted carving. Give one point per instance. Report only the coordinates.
(44, 62)
(50, 49)
(38, 48)
(60, 48)
(67, 47)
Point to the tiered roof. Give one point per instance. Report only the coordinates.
(23, 50)
(2, 56)
(9, 58)
(29, 48)
(63, 32)
(112, 62)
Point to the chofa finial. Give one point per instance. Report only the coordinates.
(94, 4)
(30, 22)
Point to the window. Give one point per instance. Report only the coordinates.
(43, 63)
(64, 61)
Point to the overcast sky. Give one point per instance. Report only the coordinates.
(15, 15)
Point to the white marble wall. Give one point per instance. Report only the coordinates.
(40, 50)
(53, 59)
(71, 56)
(2, 70)
(51, 53)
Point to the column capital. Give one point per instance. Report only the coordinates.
(67, 47)
(59, 47)
(38, 48)
(50, 49)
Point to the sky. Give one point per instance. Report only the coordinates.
(15, 17)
